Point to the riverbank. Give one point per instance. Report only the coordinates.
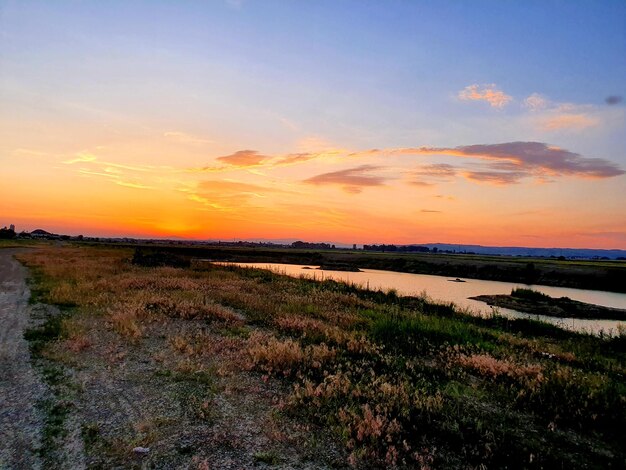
(580, 274)
(536, 303)
(240, 367)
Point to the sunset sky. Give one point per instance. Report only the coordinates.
(484, 122)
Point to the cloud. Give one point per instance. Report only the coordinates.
(488, 93)
(496, 177)
(613, 99)
(353, 180)
(81, 158)
(433, 173)
(535, 102)
(436, 170)
(430, 211)
(529, 158)
(130, 176)
(549, 116)
(128, 184)
(503, 163)
(568, 121)
(84, 157)
(227, 194)
(296, 158)
(247, 159)
(244, 158)
(85, 171)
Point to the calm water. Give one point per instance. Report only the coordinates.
(440, 288)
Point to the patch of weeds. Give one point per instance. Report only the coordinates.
(47, 332)
(57, 408)
(235, 331)
(163, 373)
(196, 400)
(91, 434)
(266, 457)
(457, 389)
(55, 414)
(53, 374)
(200, 377)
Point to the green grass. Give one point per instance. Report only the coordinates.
(529, 294)
(267, 457)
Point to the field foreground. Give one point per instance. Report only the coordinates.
(226, 367)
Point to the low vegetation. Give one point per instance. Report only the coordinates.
(398, 382)
(538, 303)
(529, 294)
(606, 275)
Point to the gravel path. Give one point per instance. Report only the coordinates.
(20, 387)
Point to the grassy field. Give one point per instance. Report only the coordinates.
(228, 368)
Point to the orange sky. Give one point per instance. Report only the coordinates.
(147, 123)
(390, 196)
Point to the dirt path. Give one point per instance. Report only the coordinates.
(20, 386)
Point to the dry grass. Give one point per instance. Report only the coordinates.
(286, 356)
(490, 367)
(398, 386)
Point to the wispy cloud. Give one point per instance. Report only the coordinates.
(228, 195)
(428, 175)
(568, 121)
(129, 184)
(522, 159)
(244, 158)
(496, 177)
(535, 102)
(353, 180)
(489, 93)
(294, 158)
(129, 176)
(549, 116)
(81, 158)
(85, 171)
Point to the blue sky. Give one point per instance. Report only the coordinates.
(287, 77)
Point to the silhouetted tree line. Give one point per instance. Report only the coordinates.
(312, 246)
(7, 233)
(152, 258)
(396, 248)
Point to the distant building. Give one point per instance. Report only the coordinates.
(12, 227)
(354, 246)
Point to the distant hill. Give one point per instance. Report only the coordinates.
(525, 251)
(40, 231)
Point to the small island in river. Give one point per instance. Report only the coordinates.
(336, 267)
(339, 267)
(530, 301)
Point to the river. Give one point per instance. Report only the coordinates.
(440, 288)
